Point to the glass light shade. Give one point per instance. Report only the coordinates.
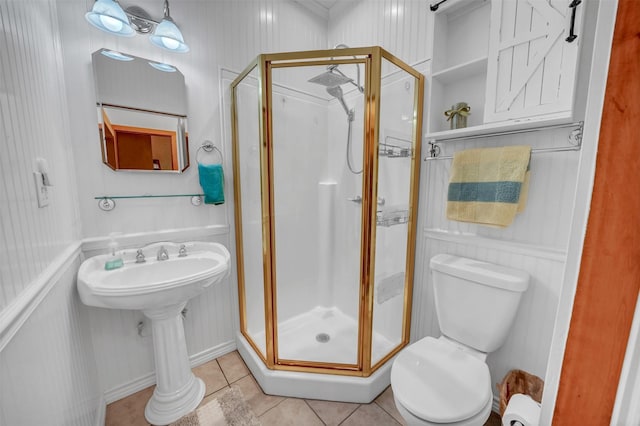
(108, 16)
(168, 36)
(162, 67)
(116, 55)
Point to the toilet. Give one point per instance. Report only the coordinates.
(445, 380)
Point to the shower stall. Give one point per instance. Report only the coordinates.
(326, 162)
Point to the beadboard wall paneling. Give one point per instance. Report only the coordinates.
(545, 222)
(33, 123)
(400, 26)
(47, 371)
(220, 34)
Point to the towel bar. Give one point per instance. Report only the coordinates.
(574, 138)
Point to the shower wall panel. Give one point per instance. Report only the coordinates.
(299, 162)
(347, 231)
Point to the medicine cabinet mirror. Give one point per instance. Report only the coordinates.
(142, 113)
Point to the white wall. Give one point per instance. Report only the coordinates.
(33, 123)
(399, 26)
(47, 369)
(225, 34)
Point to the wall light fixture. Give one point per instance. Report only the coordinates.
(108, 15)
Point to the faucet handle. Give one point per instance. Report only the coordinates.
(163, 254)
(182, 252)
(140, 256)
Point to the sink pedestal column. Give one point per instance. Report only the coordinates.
(177, 391)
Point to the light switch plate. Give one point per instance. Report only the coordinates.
(42, 192)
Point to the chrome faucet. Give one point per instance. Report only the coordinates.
(163, 254)
(182, 252)
(140, 256)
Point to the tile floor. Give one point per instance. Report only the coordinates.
(230, 370)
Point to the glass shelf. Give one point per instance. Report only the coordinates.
(107, 202)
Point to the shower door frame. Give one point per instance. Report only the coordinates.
(371, 58)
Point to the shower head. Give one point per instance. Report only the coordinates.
(330, 79)
(336, 92)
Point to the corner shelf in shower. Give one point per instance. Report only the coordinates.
(388, 219)
(391, 150)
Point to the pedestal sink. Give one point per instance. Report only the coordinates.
(160, 289)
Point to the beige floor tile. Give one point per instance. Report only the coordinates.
(290, 412)
(330, 412)
(386, 402)
(370, 414)
(212, 376)
(257, 400)
(233, 366)
(130, 410)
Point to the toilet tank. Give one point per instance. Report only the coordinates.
(476, 302)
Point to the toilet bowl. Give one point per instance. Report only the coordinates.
(437, 382)
(445, 380)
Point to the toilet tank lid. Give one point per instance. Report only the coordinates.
(481, 272)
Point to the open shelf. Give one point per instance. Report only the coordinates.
(482, 129)
(462, 71)
(460, 59)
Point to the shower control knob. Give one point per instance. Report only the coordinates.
(356, 199)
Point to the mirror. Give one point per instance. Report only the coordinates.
(142, 113)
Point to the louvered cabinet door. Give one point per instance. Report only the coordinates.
(532, 68)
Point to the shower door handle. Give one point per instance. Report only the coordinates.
(358, 199)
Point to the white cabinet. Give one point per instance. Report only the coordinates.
(507, 59)
(532, 68)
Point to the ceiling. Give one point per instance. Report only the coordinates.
(319, 7)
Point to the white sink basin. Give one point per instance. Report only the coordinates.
(154, 283)
(160, 289)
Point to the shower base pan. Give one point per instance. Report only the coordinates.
(328, 387)
(324, 335)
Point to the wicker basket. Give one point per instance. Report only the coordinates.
(518, 381)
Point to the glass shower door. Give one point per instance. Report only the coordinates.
(249, 225)
(317, 215)
(393, 234)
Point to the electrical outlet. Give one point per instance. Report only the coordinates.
(42, 191)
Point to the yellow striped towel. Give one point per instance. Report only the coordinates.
(489, 185)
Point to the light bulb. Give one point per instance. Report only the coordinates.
(170, 43)
(111, 23)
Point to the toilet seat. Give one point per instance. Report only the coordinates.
(439, 382)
